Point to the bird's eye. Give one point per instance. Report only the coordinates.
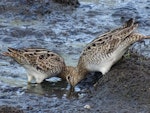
(68, 77)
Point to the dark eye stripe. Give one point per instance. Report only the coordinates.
(68, 77)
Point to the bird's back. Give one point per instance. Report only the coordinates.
(42, 60)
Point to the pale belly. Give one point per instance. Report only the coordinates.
(105, 65)
(39, 76)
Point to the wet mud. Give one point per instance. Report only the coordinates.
(66, 30)
(125, 89)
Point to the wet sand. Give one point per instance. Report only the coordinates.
(66, 30)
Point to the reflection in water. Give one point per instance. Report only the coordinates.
(57, 89)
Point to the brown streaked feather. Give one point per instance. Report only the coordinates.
(43, 60)
(105, 44)
(129, 23)
(133, 37)
(50, 63)
(16, 54)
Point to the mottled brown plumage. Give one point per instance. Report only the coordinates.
(39, 63)
(104, 51)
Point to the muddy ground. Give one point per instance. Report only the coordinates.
(125, 89)
(66, 30)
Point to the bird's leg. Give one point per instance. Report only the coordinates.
(71, 89)
(30, 78)
(71, 93)
(39, 80)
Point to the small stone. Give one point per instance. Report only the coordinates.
(87, 106)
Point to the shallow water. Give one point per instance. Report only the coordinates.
(65, 30)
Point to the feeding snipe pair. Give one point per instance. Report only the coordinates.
(99, 55)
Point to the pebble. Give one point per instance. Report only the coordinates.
(87, 106)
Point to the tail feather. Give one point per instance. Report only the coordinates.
(137, 37)
(147, 37)
(6, 54)
(11, 52)
(15, 54)
(132, 38)
(128, 30)
(129, 23)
